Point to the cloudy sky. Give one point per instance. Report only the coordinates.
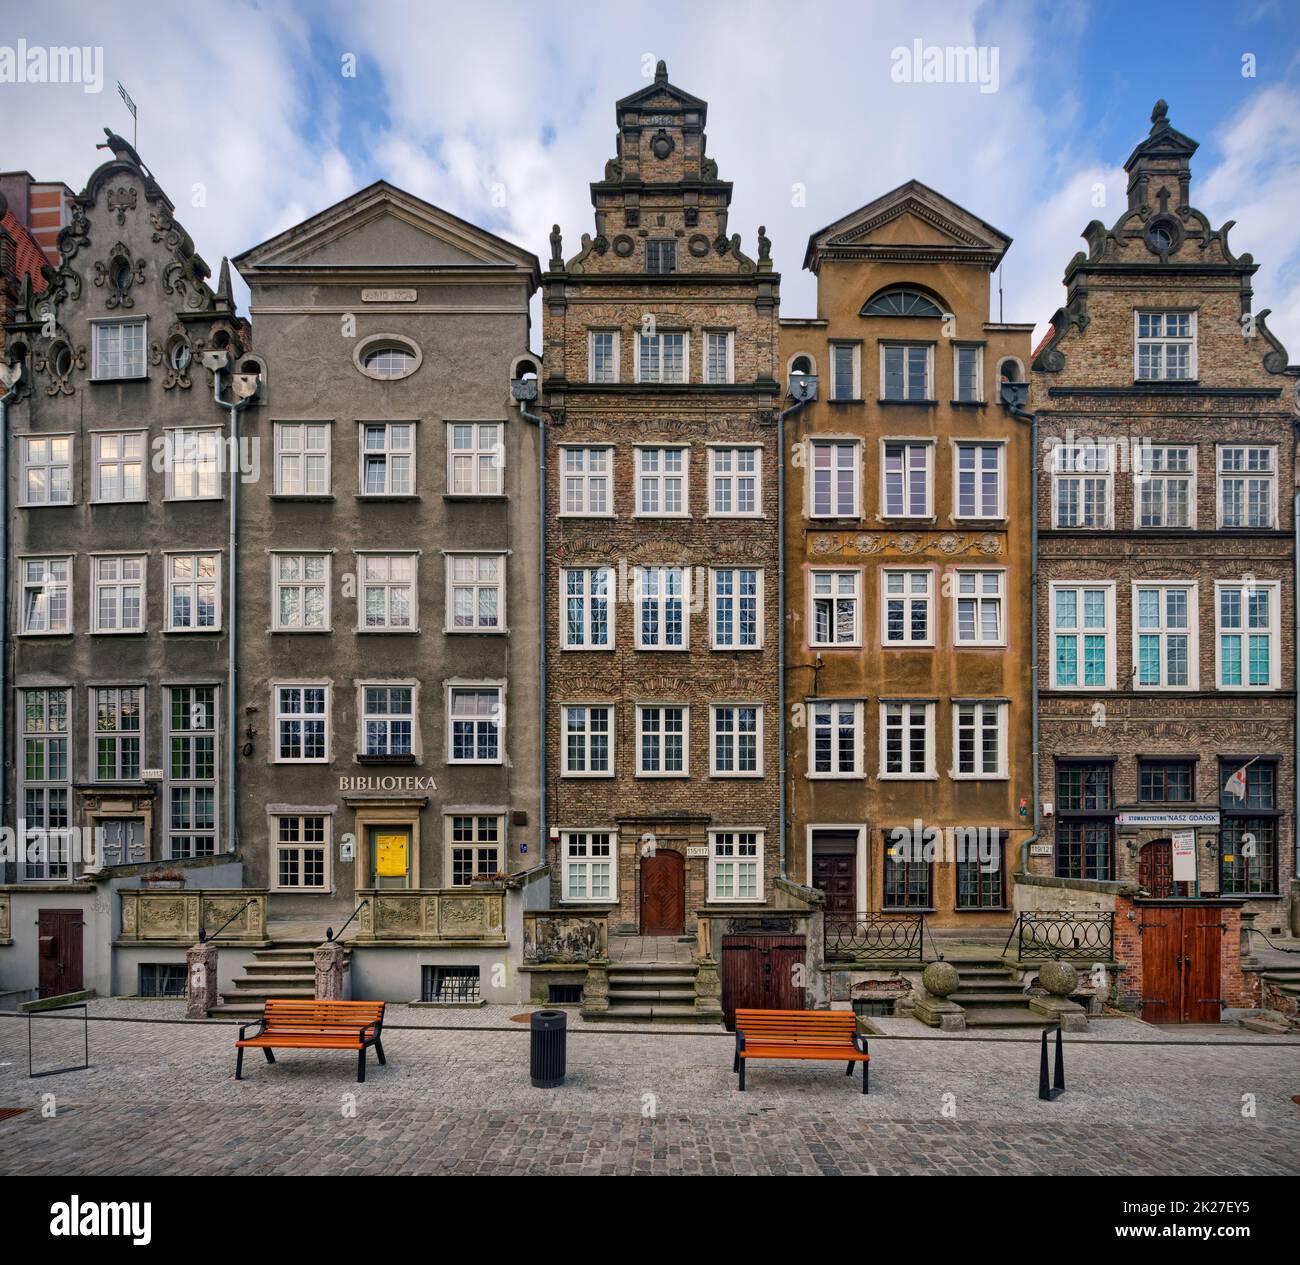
(503, 112)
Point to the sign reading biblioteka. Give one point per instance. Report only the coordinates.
(407, 783)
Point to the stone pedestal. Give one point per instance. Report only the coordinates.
(595, 989)
(708, 987)
(1069, 1014)
(328, 959)
(1247, 949)
(947, 1016)
(200, 980)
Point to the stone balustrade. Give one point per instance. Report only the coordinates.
(176, 914)
(464, 915)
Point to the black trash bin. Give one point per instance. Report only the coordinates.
(549, 1032)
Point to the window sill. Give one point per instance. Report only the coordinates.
(67, 632)
(854, 400)
(909, 909)
(924, 403)
(299, 632)
(587, 777)
(467, 496)
(836, 777)
(192, 632)
(46, 505)
(977, 520)
(907, 645)
(676, 517)
(663, 777)
(738, 777)
(909, 777)
(750, 517)
(734, 649)
(400, 497)
(291, 496)
(192, 500)
(979, 777)
(585, 649)
(382, 759)
(909, 520)
(118, 632)
(387, 632)
(470, 764)
(840, 645)
(135, 500)
(968, 403)
(476, 632)
(981, 909)
(606, 517)
(138, 377)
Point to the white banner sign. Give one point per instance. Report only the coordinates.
(1184, 842)
(1170, 818)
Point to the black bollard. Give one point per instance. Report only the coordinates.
(1045, 1091)
(547, 1053)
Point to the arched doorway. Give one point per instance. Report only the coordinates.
(663, 894)
(1156, 870)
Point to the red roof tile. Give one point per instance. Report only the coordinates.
(30, 256)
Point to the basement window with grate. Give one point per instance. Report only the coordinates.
(162, 979)
(450, 985)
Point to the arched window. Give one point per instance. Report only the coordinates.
(902, 302)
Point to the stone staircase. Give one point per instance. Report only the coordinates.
(286, 969)
(649, 992)
(992, 996)
(1284, 980)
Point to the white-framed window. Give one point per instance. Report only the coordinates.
(190, 815)
(45, 782)
(602, 355)
(588, 859)
(737, 608)
(905, 485)
(302, 852)
(301, 598)
(587, 614)
(736, 740)
(193, 592)
(1247, 622)
(734, 481)
(388, 601)
(835, 739)
(302, 459)
(46, 469)
(1164, 485)
(387, 459)
(302, 719)
(719, 356)
(1083, 636)
(119, 465)
(662, 610)
(662, 740)
(476, 459)
(388, 719)
(1164, 636)
(978, 482)
(473, 847)
(47, 595)
(661, 482)
(906, 607)
(835, 608)
(117, 732)
(906, 739)
(476, 723)
(118, 349)
(736, 865)
(588, 731)
(1247, 485)
(979, 606)
(476, 592)
(117, 589)
(662, 357)
(846, 371)
(833, 478)
(968, 373)
(1081, 485)
(1164, 346)
(906, 371)
(194, 464)
(979, 738)
(586, 488)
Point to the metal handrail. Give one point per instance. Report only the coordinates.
(1281, 948)
(329, 931)
(203, 935)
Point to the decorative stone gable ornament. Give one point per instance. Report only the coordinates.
(661, 145)
(119, 274)
(121, 200)
(557, 249)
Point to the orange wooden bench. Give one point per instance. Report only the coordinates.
(800, 1034)
(315, 1025)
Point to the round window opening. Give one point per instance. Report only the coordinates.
(121, 273)
(61, 360)
(388, 360)
(178, 355)
(1163, 236)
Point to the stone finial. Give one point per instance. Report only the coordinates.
(557, 247)
(941, 979)
(1160, 116)
(1059, 978)
(764, 243)
(661, 71)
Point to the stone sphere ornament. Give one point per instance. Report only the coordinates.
(941, 979)
(1059, 978)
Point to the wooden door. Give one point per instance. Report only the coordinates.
(663, 894)
(836, 874)
(762, 973)
(60, 951)
(1156, 869)
(1180, 964)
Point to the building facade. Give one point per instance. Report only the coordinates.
(389, 665)
(1166, 601)
(907, 557)
(662, 539)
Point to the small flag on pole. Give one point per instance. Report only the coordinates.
(130, 105)
(1236, 784)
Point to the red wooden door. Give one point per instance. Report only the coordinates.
(60, 951)
(836, 875)
(663, 894)
(762, 973)
(1180, 964)
(1156, 869)
(1202, 941)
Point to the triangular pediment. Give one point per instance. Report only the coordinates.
(383, 226)
(660, 95)
(912, 217)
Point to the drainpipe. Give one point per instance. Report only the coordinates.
(803, 390)
(524, 391)
(1295, 766)
(1013, 400)
(11, 391)
(245, 387)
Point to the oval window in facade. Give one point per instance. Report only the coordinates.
(388, 358)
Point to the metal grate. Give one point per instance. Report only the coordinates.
(564, 994)
(162, 979)
(450, 984)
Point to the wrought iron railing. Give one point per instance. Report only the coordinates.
(888, 937)
(1063, 933)
(329, 931)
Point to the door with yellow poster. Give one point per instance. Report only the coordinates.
(390, 855)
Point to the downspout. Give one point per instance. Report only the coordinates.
(807, 398)
(1025, 415)
(540, 422)
(1295, 767)
(232, 612)
(9, 394)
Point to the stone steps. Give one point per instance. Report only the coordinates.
(991, 1017)
(651, 991)
(286, 969)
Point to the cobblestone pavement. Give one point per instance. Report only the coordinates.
(160, 1098)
